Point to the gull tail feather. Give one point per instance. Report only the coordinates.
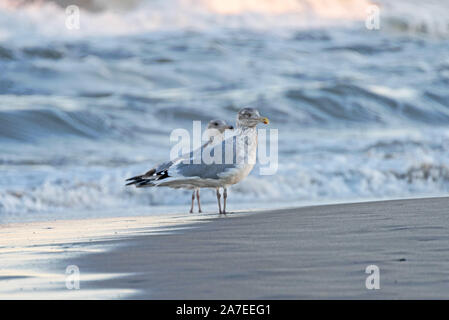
(143, 176)
(147, 179)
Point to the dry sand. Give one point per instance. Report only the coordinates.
(303, 253)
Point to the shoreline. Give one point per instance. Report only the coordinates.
(31, 252)
(313, 252)
(209, 209)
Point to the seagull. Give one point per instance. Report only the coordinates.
(233, 159)
(215, 132)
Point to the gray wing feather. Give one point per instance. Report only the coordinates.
(210, 170)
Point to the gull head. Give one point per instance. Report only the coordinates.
(219, 125)
(216, 128)
(249, 117)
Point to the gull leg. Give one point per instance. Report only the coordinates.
(193, 201)
(225, 196)
(218, 199)
(198, 199)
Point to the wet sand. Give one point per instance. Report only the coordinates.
(306, 253)
(318, 252)
(33, 255)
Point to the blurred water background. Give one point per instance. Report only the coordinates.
(362, 114)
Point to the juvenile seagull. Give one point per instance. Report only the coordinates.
(215, 131)
(236, 158)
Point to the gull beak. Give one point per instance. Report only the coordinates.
(264, 120)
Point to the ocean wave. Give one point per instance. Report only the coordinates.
(425, 172)
(103, 17)
(100, 190)
(47, 18)
(349, 102)
(415, 17)
(33, 125)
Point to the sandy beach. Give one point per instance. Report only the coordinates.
(316, 252)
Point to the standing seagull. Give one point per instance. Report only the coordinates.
(237, 155)
(215, 132)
